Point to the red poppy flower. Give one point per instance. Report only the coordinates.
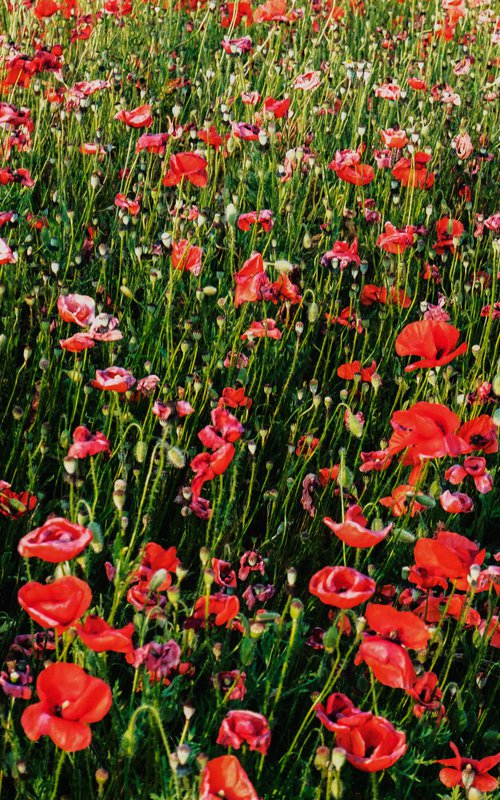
(233, 13)
(349, 371)
(100, 637)
(413, 172)
(356, 174)
(263, 218)
(69, 700)
(257, 330)
(426, 430)
(247, 727)
(46, 8)
(235, 398)
(6, 255)
(113, 379)
(140, 117)
(468, 772)
(342, 587)
(225, 777)
(224, 606)
(456, 502)
(402, 500)
(187, 257)
(208, 465)
(279, 108)
(133, 207)
(417, 84)
(155, 558)
(252, 283)
(394, 137)
(427, 695)
(15, 504)
(373, 746)
(224, 573)
(231, 683)
(55, 541)
(211, 137)
(353, 530)
(371, 294)
(396, 240)
(389, 662)
(56, 605)
(191, 166)
(78, 308)
(448, 232)
(450, 555)
(480, 433)
(403, 626)
(340, 712)
(86, 443)
(475, 466)
(77, 343)
(375, 461)
(433, 341)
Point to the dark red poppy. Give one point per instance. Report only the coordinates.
(389, 662)
(435, 343)
(69, 700)
(340, 712)
(468, 772)
(373, 746)
(427, 695)
(353, 530)
(225, 777)
(245, 727)
(55, 541)
(401, 626)
(224, 573)
(15, 505)
(342, 587)
(100, 637)
(58, 604)
(231, 683)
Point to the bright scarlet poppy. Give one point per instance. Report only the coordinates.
(224, 606)
(413, 171)
(449, 555)
(373, 746)
(401, 626)
(389, 662)
(475, 467)
(225, 777)
(342, 587)
(353, 530)
(265, 329)
(426, 430)
(100, 637)
(458, 769)
(77, 343)
(69, 700)
(245, 727)
(55, 541)
(56, 605)
(155, 558)
(435, 343)
(190, 166)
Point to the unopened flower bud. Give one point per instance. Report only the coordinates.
(322, 758)
(338, 757)
(296, 609)
(183, 753)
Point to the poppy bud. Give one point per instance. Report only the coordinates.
(141, 451)
(337, 787)
(291, 576)
(322, 758)
(474, 794)
(176, 457)
(183, 753)
(70, 465)
(101, 776)
(338, 757)
(296, 609)
(209, 577)
(204, 556)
